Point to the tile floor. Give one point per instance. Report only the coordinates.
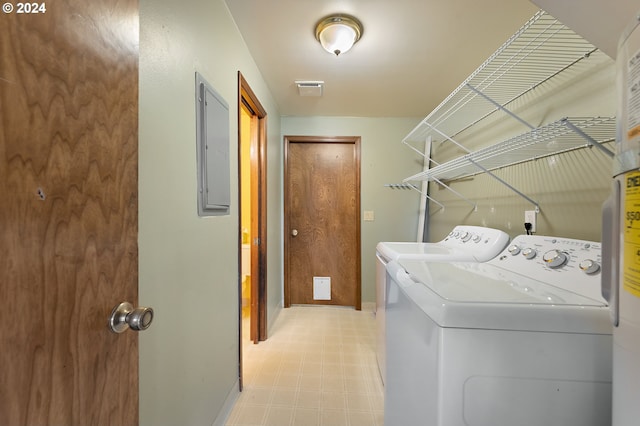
(318, 367)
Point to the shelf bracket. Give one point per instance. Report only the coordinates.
(588, 138)
(500, 107)
(502, 181)
(458, 144)
(422, 154)
(474, 205)
(415, 188)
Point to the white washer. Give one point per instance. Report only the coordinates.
(523, 339)
(464, 243)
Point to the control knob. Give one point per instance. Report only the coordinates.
(529, 253)
(477, 238)
(466, 237)
(555, 258)
(514, 249)
(589, 266)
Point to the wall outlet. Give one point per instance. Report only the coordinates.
(530, 217)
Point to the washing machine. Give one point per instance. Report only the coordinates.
(468, 243)
(523, 339)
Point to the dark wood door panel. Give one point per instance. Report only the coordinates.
(68, 185)
(323, 209)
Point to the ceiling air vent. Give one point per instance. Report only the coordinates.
(310, 88)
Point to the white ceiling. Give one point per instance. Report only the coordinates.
(600, 22)
(412, 53)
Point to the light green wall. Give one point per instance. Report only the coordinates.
(383, 160)
(188, 265)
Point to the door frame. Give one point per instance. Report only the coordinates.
(355, 140)
(258, 320)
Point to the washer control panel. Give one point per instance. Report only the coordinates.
(563, 262)
(463, 243)
(482, 243)
(464, 235)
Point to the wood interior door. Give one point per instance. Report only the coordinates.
(258, 205)
(69, 213)
(322, 219)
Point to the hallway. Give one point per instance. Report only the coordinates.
(318, 367)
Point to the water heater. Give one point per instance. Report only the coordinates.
(621, 235)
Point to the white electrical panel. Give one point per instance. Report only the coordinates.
(212, 136)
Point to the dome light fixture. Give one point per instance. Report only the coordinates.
(338, 33)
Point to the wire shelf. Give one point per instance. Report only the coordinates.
(557, 137)
(539, 51)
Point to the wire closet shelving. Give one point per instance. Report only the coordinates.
(542, 51)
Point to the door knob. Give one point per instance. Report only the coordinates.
(124, 316)
(294, 232)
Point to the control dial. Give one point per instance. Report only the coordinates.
(514, 249)
(477, 238)
(555, 258)
(466, 237)
(589, 266)
(529, 253)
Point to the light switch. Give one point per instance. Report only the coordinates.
(368, 216)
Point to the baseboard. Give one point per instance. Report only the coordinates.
(227, 407)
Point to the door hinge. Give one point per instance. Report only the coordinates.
(256, 241)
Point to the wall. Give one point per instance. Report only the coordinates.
(188, 265)
(383, 160)
(569, 188)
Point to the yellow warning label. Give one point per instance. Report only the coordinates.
(632, 133)
(631, 223)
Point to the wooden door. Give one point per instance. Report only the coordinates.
(258, 205)
(322, 219)
(68, 212)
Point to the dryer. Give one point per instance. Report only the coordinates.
(523, 339)
(464, 243)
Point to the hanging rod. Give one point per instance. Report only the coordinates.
(474, 205)
(398, 185)
(407, 185)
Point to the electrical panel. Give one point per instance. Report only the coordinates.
(212, 136)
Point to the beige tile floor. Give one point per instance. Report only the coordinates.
(318, 367)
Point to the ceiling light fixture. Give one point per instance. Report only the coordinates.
(338, 33)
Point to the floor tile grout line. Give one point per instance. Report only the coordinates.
(353, 334)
